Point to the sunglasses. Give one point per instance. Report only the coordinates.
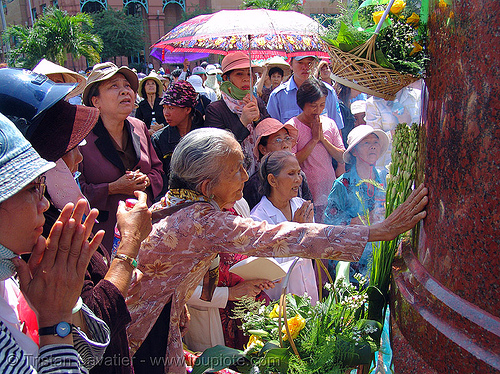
(39, 186)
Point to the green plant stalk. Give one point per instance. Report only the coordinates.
(399, 186)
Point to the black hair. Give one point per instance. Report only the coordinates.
(310, 91)
(344, 93)
(176, 73)
(94, 91)
(276, 69)
(272, 163)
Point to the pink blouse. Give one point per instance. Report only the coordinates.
(318, 165)
(178, 252)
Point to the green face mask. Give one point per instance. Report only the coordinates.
(231, 90)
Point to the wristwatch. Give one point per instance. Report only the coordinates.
(62, 329)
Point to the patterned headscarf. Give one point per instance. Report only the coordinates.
(181, 94)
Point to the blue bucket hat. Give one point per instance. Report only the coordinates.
(19, 162)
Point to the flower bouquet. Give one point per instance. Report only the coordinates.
(328, 337)
(378, 48)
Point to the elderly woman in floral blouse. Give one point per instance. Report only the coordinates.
(207, 175)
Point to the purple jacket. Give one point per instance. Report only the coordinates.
(102, 165)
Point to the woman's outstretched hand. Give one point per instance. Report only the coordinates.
(52, 279)
(404, 217)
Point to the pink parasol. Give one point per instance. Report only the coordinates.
(265, 33)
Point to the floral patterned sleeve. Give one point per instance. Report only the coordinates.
(226, 233)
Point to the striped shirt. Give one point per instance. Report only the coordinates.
(83, 355)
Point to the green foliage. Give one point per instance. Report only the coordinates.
(122, 34)
(330, 336)
(218, 358)
(273, 4)
(395, 46)
(399, 186)
(53, 36)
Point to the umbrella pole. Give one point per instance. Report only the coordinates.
(250, 64)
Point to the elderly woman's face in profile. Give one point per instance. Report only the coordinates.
(286, 184)
(229, 188)
(21, 218)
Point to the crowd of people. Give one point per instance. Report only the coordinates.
(133, 197)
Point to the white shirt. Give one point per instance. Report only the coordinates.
(205, 327)
(303, 278)
(380, 114)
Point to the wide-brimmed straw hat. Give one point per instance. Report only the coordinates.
(154, 77)
(104, 71)
(49, 68)
(278, 62)
(19, 162)
(357, 134)
(237, 60)
(268, 127)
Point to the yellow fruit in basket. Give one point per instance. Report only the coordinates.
(275, 313)
(377, 16)
(414, 19)
(398, 6)
(416, 48)
(295, 324)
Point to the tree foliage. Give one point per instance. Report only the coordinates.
(122, 34)
(53, 36)
(274, 4)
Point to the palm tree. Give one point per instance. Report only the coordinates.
(53, 36)
(274, 4)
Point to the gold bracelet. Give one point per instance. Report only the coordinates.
(129, 260)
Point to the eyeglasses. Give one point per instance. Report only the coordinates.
(286, 139)
(39, 186)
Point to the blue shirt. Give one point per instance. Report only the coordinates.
(350, 198)
(282, 104)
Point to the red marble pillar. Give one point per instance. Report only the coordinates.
(446, 290)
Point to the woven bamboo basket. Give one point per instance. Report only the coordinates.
(363, 73)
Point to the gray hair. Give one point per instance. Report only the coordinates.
(272, 163)
(198, 157)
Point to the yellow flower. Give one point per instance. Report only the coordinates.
(416, 48)
(398, 6)
(295, 324)
(377, 16)
(414, 19)
(254, 340)
(442, 4)
(275, 313)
